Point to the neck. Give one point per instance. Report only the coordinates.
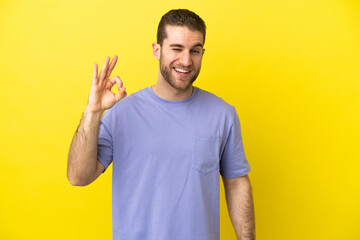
(165, 91)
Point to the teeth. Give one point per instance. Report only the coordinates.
(180, 70)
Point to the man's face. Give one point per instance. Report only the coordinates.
(180, 56)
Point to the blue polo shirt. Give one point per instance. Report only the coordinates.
(167, 156)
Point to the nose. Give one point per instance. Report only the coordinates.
(185, 59)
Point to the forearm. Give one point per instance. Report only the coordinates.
(82, 158)
(241, 210)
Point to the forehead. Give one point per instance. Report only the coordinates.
(182, 35)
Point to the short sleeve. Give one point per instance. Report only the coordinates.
(104, 146)
(233, 162)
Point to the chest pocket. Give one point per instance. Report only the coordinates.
(206, 154)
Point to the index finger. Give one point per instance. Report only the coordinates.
(112, 65)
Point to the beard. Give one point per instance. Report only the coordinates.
(166, 72)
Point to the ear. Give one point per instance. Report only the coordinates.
(156, 50)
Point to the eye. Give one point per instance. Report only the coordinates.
(176, 49)
(195, 51)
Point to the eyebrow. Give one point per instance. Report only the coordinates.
(181, 46)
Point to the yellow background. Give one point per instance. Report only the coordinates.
(291, 68)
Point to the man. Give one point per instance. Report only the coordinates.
(167, 143)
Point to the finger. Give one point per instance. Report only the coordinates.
(121, 94)
(112, 65)
(104, 69)
(116, 80)
(95, 79)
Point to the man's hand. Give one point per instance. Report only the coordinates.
(83, 166)
(101, 97)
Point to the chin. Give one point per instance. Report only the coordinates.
(181, 85)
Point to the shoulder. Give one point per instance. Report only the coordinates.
(216, 103)
(131, 100)
(126, 104)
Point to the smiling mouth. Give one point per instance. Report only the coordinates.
(181, 71)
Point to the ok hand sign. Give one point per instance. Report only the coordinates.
(101, 97)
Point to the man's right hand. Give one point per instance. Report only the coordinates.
(101, 97)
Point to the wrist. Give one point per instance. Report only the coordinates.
(91, 118)
(93, 114)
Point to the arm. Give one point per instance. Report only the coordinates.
(83, 166)
(240, 206)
